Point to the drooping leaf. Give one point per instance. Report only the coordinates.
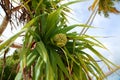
(37, 69)
(43, 53)
(61, 64)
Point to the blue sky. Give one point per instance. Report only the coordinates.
(106, 27)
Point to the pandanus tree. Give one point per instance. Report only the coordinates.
(50, 50)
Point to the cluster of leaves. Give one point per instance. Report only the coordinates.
(106, 6)
(9, 68)
(50, 51)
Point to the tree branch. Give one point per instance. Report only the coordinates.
(114, 70)
(4, 24)
(14, 45)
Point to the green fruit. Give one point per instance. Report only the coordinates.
(60, 39)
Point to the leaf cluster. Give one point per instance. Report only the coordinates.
(10, 68)
(106, 6)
